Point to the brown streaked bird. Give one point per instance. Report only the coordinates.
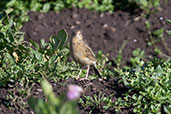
(82, 53)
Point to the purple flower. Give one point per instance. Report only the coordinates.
(74, 92)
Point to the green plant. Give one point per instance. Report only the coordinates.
(150, 86)
(104, 64)
(146, 5)
(138, 55)
(20, 62)
(118, 59)
(12, 47)
(23, 65)
(168, 31)
(96, 101)
(102, 6)
(155, 37)
(54, 105)
(21, 8)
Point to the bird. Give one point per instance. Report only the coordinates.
(82, 53)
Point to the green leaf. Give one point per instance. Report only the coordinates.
(43, 44)
(148, 24)
(167, 109)
(22, 48)
(143, 2)
(1, 35)
(46, 7)
(8, 59)
(38, 55)
(33, 102)
(62, 35)
(9, 10)
(48, 92)
(55, 43)
(158, 71)
(59, 41)
(125, 81)
(11, 23)
(52, 64)
(38, 105)
(168, 21)
(10, 35)
(35, 5)
(159, 33)
(52, 59)
(168, 32)
(68, 108)
(35, 44)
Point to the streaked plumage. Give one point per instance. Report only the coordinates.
(82, 53)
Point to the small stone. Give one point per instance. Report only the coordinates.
(135, 40)
(161, 18)
(113, 29)
(78, 22)
(137, 18)
(72, 27)
(101, 15)
(39, 90)
(75, 15)
(105, 26)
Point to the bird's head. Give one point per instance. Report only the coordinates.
(79, 34)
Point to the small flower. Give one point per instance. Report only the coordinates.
(74, 92)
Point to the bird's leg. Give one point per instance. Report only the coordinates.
(78, 76)
(88, 68)
(86, 78)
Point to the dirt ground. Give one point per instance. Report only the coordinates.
(92, 87)
(102, 31)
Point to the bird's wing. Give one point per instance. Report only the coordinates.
(88, 52)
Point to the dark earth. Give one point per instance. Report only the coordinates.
(102, 31)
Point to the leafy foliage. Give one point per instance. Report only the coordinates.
(96, 101)
(21, 8)
(151, 86)
(39, 5)
(146, 5)
(155, 37)
(138, 55)
(19, 61)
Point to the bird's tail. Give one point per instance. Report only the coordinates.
(97, 70)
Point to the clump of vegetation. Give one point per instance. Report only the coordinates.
(150, 83)
(20, 62)
(21, 8)
(146, 5)
(157, 36)
(96, 101)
